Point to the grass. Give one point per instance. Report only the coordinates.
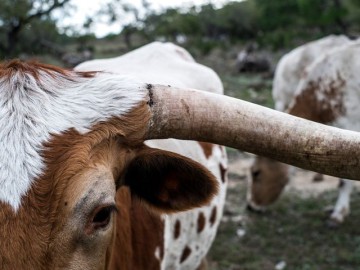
(250, 87)
(294, 231)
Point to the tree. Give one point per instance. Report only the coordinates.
(16, 16)
(329, 16)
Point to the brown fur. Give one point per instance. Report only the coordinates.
(223, 171)
(162, 178)
(213, 216)
(269, 178)
(136, 237)
(200, 222)
(207, 148)
(177, 229)
(147, 231)
(308, 106)
(9, 68)
(185, 254)
(120, 253)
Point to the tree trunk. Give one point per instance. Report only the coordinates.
(340, 23)
(12, 38)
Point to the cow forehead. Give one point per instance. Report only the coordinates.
(35, 105)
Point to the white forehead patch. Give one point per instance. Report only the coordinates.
(30, 111)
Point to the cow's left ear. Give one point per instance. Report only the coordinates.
(169, 182)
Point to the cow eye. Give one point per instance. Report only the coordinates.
(100, 218)
(255, 174)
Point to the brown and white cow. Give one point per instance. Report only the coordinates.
(79, 189)
(292, 67)
(327, 93)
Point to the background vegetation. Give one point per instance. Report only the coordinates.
(29, 27)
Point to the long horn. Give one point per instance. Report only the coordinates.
(197, 115)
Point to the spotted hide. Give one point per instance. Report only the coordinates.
(327, 92)
(292, 67)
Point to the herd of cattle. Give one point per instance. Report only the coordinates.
(118, 164)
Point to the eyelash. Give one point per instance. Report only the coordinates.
(108, 210)
(101, 218)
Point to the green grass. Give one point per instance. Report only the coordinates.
(294, 230)
(250, 87)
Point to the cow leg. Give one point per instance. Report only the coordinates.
(342, 206)
(203, 265)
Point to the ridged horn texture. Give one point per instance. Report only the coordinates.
(189, 114)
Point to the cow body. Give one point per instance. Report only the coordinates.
(292, 67)
(187, 236)
(330, 94)
(327, 92)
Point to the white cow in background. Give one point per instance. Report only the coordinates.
(293, 66)
(318, 82)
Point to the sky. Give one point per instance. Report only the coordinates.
(87, 8)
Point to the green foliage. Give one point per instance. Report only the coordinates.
(250, 87)
(283, 22)
(353, 14)
(25, 24)
(326, 15)
(275, 24)
(204, 27)
(239, 20)
(277, 14)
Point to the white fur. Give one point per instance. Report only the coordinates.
(30, 111)
(160, 63)
(338, 68)
(342, 206)
(292, 67)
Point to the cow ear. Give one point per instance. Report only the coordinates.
(169, 182)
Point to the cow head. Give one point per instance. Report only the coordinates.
(266, 181)
(63, 159)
